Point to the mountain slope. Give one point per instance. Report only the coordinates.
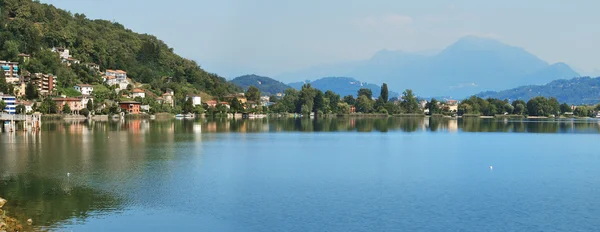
(266, 85)
(343, 86)
(580, 90)
(468, 66)
(34, 28)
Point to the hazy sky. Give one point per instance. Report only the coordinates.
(272, 36)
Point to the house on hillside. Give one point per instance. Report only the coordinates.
(11, 71)
(25, 57)
(63, 53)
(138, 93)
(45, 83)
(168, 98)
(116, 78)
(196, 99)
(84, 89)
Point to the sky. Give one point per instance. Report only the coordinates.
(270, 37)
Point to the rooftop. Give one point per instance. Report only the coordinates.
(129, 102)
(84, 85)
(138, 91)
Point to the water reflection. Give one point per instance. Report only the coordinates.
(109, 159)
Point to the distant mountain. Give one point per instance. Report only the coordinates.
(580, 90)
(343, 86)
(468, 66)
(266, 85)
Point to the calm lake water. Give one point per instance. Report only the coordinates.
(394, 174)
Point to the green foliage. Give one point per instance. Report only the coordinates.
(266, 85)
(541, 106)
(66, 109)
(409, 102)
(235, 105)
(84, 112)
(188, 106)
(350, 100)
(584, 111)
(580, 90)
(38, 27)
(319, 101)
(31, 91)
(48, 106)
(253, 94)
(20, 109)
(3, 84)
(69, 92)
(433, 107)
(333, 99)
(2, 105)
(384, 95)
(365, 92)
(364, 104)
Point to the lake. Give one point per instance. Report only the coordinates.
(345, 174)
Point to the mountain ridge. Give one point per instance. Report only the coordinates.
(579, 90)
(465, 67)
(266, 85)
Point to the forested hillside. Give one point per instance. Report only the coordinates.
(34, 28)
(581, 90)
(266, 85)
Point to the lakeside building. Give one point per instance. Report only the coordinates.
(196, 99)
(75, 103)
(11, 103)
(132, 107)
(11, 71)
(84, 89)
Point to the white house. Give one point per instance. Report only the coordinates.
(63, 53)
(116, 77)
(196, 99)
(84, 89)
(138, 93)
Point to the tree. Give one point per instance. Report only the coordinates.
(85, 112)
(66, 109)
(2, 105)
(365, 92)
(409, 102)
(30, 91)
(565, 108)
(433, 107)
(3, 84)
(253, 94)
(20, 109)
(236, 105)
(334, 99)
(273, 98)
(350, 100)
(188, 106)
(520, 107)
(319, 102)
(364, 104)
(384, 93)
(90, 105)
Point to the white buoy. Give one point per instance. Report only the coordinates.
(491, 167)
(68, 174)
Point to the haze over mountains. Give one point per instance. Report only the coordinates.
(469, 66)
(343, 86)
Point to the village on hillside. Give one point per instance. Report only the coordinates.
(91, 99)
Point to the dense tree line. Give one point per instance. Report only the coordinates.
(311, 100)
(537, 106)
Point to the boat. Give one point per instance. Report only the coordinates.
(189, 116)
(179, 116)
